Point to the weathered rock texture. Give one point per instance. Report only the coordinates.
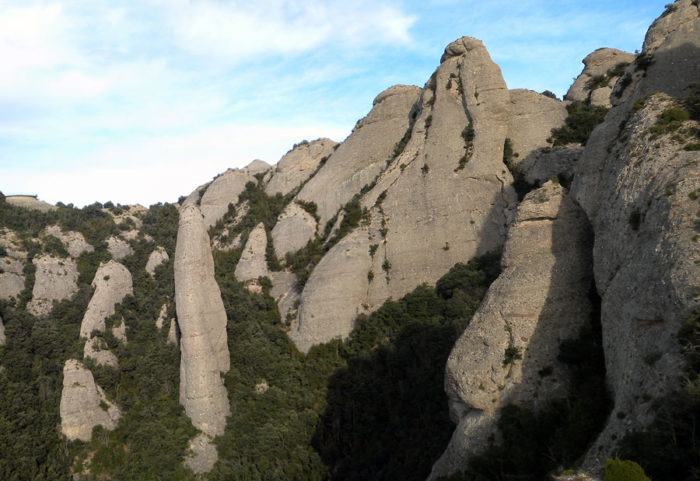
(202, 454)
(226, 188)
(635, 190)
(3, 339)
(532, 118)
(55, 279)
(252, 263)
(29, 202)
(173, 333)
(118, 248)
(298, 165)
(594, 84)
(161, 317)
(539, 300)
(84, 404)
(96, 350)
(295, 227)
(157, 257)
(442, 200)
(363, 155)
(112, 282)
(543, 164)
(74, 242)
(11, 277)
(202, 321)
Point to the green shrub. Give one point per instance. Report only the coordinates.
(623, 470)
(692, 147)
(692, 101)
(550, 94)
(579, 124)
(468, 133)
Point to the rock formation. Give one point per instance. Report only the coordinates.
(11, 277)
(55, 279)
(595, 84)
(157, 257)
(96, 350)
(161, 317)
(297, 165)
(532, 118)
(202, 321)
(252, 263)
(226, 188)
(29, 202)
(112, 282)
(118, 248)
(539, 300)
(3, 339)
(83, 404)
(294, 228)
(173, 333)
(74, 242)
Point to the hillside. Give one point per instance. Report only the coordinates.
(478, 283)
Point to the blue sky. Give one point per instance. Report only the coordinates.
(142, 101)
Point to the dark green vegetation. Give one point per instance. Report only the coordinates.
(521, 186)
(536, 443)
(338, 412)
(579, 124)
(623, 470)
(667, 449)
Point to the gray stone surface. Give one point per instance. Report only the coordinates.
(202, 321)
(157, 257)
(82, 404)
(112, 282)
(294, 229)
(173, 333)
(162, 317)
(596, 64)
(55, 279)
(363, 155)
(74, 242)
(96, 350)
(118, 248)
(252, 263)
(226, 188)
(543, 164)
(539, 300)
(11, 277)
(202, 455)
(298, 165)
(29, 202)
(532, 118)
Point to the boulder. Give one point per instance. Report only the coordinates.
(252, 263)
(84, 404)
(55, 279)
(157, 257)
(96, 350)
(226, 188)
(202, 321)
(594, 83)
(539, 300)
(118, 248)
(298, 165)
(161, 317)
(112, 282)
(295, 227)
(173, 333)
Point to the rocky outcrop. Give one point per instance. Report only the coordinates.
(3, 339)
(97, 351)
(29, 202)
(363, 155)
(118, 248)
(112, 282)
(162, 316)
(202, 321)
(532, 118)
(55, 279)
(442, 200)
(539, 300)
(84, 404)
(596, 81)
(295, 227)
(173, 333)
(226, 188)
(252, 263)
(11, 277)
(74, 242)
(298, 165)
(157, 257)
(202, 455)
(543, 164)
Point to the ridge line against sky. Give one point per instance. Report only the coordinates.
(141, 102)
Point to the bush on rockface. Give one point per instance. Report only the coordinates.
(623, 470)
(579, 124)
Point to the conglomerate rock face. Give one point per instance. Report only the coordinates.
(252, 263)
(298, 165)
(11, 277)
(596, 81)
(539, 300)
(202, 322)
(112, 282)
(56, 279)
(157, 257)
(84, 404)
(294, 228)
(74, 242)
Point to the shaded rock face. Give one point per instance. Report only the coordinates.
(294, 229)
(543, 164)
(112, 282)
(363, 155)
(428, 210)
(226, 188)
(55, 279)
(202, 321)
(532, 118)
(118, 248)
(157, 257)
(3, 339)
(252, 263)
(539, 300)
(84, 404)
(11, 277)
(74, 242)
(590, 85)
(298, 165)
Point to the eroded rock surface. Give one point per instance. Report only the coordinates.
(118, 248)
(74, 242)
(295, 227)
(298, 165)
(157, 257)
(532, 118)
(96, 350)
(543, 164)
(11, 277)
(112, 282)
(596, 81)
(202, 321)
(84, 404)
(202, 454)
(56, 279)
(29, 202)
(3, 339)
(539, 300)
(252, 263)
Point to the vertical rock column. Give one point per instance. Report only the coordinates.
(204, 349)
